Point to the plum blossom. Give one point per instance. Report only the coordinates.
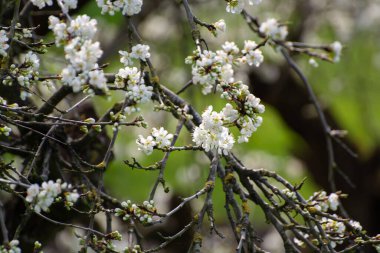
(140, 51)
(336, 48)
(273, 29)
(128, 7)
(160, 138)
(3, 43)
(146, 144)
(5, 130)
(42, 197)
(211, 134)
(333, 201)
(81, 52)
(220, 26)
(236, 6)
(42, 3)
(252, 55)
(11, 247)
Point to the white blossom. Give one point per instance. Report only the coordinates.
(32, 192)
(313, 62)
(72, 197)
(12, 247)
(333, 201)
(162, 137)
(273, 29)
(211, 134)
(69, 4)
(42, 197)
(229, 113)
(42, 3)
(130, 7)
(252, 55)
(336, 48)
(3, 43)
(98, 79)
(32, 60)
(220, 26)
(83, 26)
(356, 225)
(59, 29)
(254, 2)
(230, 47)
(125, 58)
(146, 144)
(5, 130)
(235, 6)
(140, 51)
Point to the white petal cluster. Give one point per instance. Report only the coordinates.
(333, 227)
(236, 6)
(4, 130)
(139, 51)
(252, 55)
(137, 92)
(66, 4)
(69, 4)
(323, 203)
(3, 43)
(336, 48)
(42, 197)
(11, 247)
(215, 69)
(220, 26)
(129, 210)
(42, 3)
(212, 134)
(333, 201)
(159, 138)
(127, 7)
(356, 225)
(273, 29)
(81, 52)
(25, 73)
(313, 62)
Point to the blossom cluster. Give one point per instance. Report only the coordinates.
(138, 51)
(211, 134)
(237, 6)
(142, 213)
(321, 202)
(273, 29)
(25, 73)
(127, 7)
(3, 43)
(334, 226)
(65, 4)
(213, 69)
(159, 138)
(10, 247)
(131, 79)
(81, 52)
(42, 197)
(4, 130)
